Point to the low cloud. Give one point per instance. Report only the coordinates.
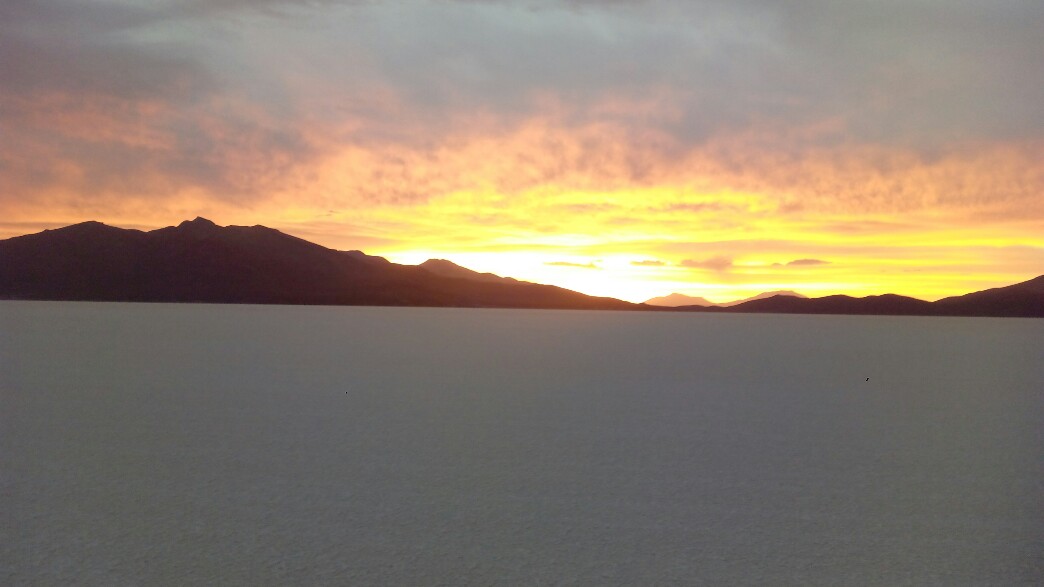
(719, 263)
(577, 265)
(698, 208)
(808, 262)
(648, 263)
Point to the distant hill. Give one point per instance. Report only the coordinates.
(676, 299)
(888, 304)
(198, 261)
(1024, 300)
(1021, 299)
(761, 296)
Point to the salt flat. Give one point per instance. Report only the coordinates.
(269, 445)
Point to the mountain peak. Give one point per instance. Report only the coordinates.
(446, 268)
(438, 263)
(762, 296)
(677, 299)
(199, 227)
(198, 222)
(88, 227)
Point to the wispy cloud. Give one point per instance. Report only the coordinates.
(808, 262)
(591, 265)
(648, 263)
(718, 263)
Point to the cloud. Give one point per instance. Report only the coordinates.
(718, 263)
(808, 262)
(56, 47)
(697, 208)
(576, 265)
(648, 263)
(822, 107)
(273, 8)
(107, 100)
(916, 73)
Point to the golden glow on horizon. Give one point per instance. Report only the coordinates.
(637, 244)
(921, 175)
(638, 266)
(603, 232)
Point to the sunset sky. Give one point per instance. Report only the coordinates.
(630, 148)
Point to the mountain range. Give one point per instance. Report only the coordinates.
(199, 261)
(676, 300)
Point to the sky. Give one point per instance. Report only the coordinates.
(629, 148)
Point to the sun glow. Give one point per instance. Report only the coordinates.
(492, 205)
(553, 145)
(637, 244)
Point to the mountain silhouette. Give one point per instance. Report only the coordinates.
(199, 261)
(1022, 300)
(450, 269)
(675, 300)
(887, 304)
(761, 296)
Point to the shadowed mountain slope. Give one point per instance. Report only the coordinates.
(198, 261)
(1020, 299)
(446, 268)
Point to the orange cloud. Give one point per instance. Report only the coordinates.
(719, 263)
(610, 177)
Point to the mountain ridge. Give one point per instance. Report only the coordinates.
(445, 268)
(199, 261)
(677, 300)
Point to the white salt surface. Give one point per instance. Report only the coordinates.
(150, 444)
